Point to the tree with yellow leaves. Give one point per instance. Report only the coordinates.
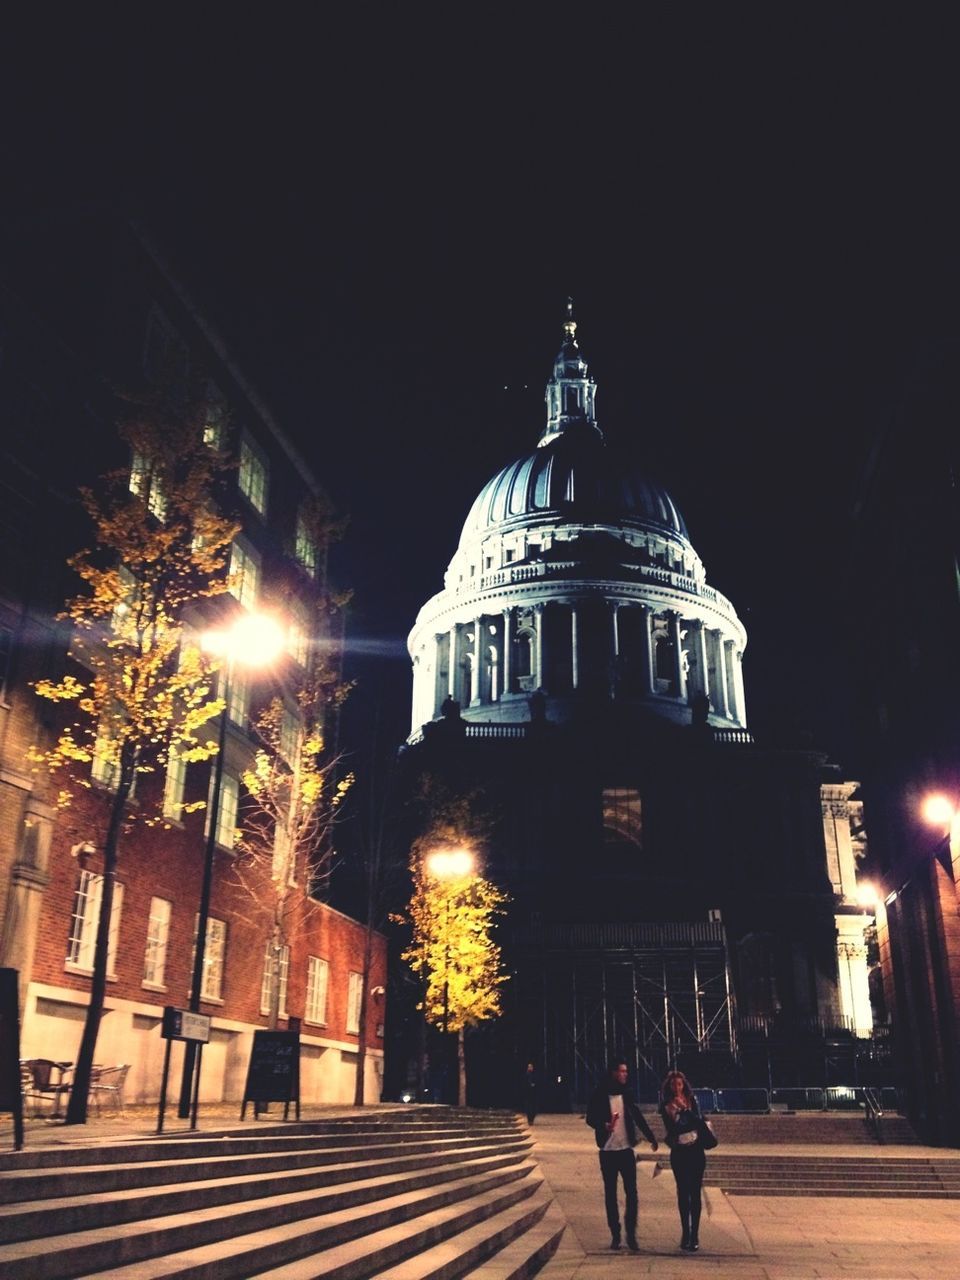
(452, 914)
(143, 694)
(284, 850)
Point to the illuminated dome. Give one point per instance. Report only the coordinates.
(575, 578)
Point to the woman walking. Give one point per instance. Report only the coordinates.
(683, 1123)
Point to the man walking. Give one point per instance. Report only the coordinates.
(615, 1118)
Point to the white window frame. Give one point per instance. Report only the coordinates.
(298, 646)
(266, 982)
(318, 984)
(84, 918)
(245, 570)
(145, 484)
(174, 785)
(214, 959)
(305, 547)
(253, 476)
(158, 937)
(215, 417)
(227, 809)
(289, 729)
(238, 708)
(354, 993)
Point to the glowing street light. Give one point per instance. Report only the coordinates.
(938, 810)
(867, 895)
(253, 640)
(450, 864)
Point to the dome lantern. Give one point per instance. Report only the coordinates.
(571, 393)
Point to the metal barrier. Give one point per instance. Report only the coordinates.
(750, 1101)
(797, 1099)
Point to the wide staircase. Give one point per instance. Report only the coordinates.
(425, 1193)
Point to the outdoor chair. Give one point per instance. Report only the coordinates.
(109, 1082)
(44, 1080)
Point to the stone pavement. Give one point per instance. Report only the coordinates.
(745, 1237)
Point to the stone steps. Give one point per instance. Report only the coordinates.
(238, 1205)
(839, 1128)
(843, 1176)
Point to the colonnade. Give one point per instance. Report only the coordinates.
(613, 647)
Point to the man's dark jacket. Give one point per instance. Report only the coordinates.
(599, 1115)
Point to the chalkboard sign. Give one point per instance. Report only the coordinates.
(274, 1071)
(11, 1097)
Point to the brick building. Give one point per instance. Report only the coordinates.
(84, 312)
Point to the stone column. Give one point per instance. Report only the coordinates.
(679, 676)
(476, 666)
(438, 688)
(454, 664)
(738, 686)
(701, 680)
(732, 704)
(538, 644)
(722, 700)
(646, 656)
(574, 652)
(506, 662)
(615, 619)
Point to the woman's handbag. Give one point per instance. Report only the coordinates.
(708, 1139)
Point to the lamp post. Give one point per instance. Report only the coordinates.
(447, 865)
(254, 640)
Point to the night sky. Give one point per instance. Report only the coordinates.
(385, 208)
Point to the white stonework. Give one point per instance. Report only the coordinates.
(845, 845)
(575, 577)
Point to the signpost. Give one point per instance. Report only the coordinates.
(274, 1071)
(194, 1028)
(11, 1094)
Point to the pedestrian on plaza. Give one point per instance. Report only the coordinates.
(686, 1132)
(617, 1123)
(528, 1088)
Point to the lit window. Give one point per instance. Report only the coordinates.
(244, 575)
(297, 643)
(227, 811)
(173, 788)
(253, 477)
(125, 609)
(266, 984)
(214, 953)
(215, 418)
(622, 816)
(105, 768)
(84, 921)
(306, 546)
(318, 975)
(158, 933)
(145, 483)
(238, 708)
(354, 990)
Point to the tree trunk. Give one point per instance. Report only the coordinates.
(461, 1071)
(358, 1092)
(83, 1071)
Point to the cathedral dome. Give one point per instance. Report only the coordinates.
(574, 579)
(572, 476)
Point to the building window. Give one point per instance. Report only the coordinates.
(289, 734)
(244, 575)
(252, 478)
(354, 991)
(622, 816)
(145, 483)
(305, 546)
(238, 707)
(127, 602)
(215, 418)
(173, 788)
(6, 654)
(227, 810)
(84, 920)
(266, 984)
(297, 643)
(158, 931)
(318, 975)
(105, 768)
(214, 954)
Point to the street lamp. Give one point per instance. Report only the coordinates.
(448, 865)
(254, 640)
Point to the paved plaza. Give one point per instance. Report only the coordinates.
(745, 1237)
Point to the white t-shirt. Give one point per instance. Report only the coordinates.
(617, 1141)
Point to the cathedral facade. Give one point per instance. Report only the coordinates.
(679, 893)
